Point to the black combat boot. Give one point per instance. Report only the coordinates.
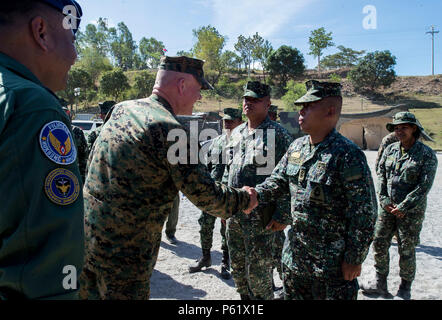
(225, 265)
(377, 286)
(245, 297)
(404, 291)
(204, 261)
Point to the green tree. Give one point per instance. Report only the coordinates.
(208, 47)
(230, 60)
(96, 37)
(262, 51)
(319, 41)
(295, 90)
(123, 47)
(185, 53)
(284, 64)
(245, 46)
(143, 84)
(113, 83)
(346, 57)
(151, 51)
(77, 78)
(93, 63)
(374, 70)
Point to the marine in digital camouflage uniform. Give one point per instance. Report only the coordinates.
(105, 107)
(333, 203)
(405, 176)
(206, 221)
(250, 244)
(132, 182)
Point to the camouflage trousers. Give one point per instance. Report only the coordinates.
(207, 224)
(119, 267)
(297, 287)
(250, 248)
(408, 230)
(172, 219)
(278, 244)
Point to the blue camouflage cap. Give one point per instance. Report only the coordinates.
(317, 91)
(70, 8)
(232, 114)
(256, 89)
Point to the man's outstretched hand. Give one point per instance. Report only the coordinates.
(253, 199)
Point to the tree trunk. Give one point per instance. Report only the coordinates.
(319, 66)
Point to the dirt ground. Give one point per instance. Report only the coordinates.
(172, 281)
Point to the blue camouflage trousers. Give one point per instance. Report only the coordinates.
(408, 230)
(250, 248)
(304, 287)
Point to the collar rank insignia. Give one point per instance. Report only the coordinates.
(57, 143)
(62, 187)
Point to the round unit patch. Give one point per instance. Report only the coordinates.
(62, 187)
(57, 143)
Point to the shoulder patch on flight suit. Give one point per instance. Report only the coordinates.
(57, 143)
(62, 187)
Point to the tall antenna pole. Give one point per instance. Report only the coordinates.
(432, 32)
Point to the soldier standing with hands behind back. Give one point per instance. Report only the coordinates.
(405, 175)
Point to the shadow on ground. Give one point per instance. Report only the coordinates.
(160, 284)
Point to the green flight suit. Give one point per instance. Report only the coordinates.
(41, 242)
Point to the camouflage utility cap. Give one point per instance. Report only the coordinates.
(256, 89)
(317, 91)
(106, 106)
(232, 114)
(186, 65)
(273, 108)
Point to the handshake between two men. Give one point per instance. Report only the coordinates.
(273, 225)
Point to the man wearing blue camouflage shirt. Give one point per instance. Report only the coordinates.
(333, 202)
(255, 147)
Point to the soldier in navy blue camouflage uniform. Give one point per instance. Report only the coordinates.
(250, 243)
(217, 164)
(333, 202)
(405, 175)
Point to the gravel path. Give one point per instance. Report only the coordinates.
(171, 279)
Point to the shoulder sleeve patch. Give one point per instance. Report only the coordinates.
(57, 143)
(352, 173)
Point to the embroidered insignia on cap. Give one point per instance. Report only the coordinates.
(62, 187)
(57, 143)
